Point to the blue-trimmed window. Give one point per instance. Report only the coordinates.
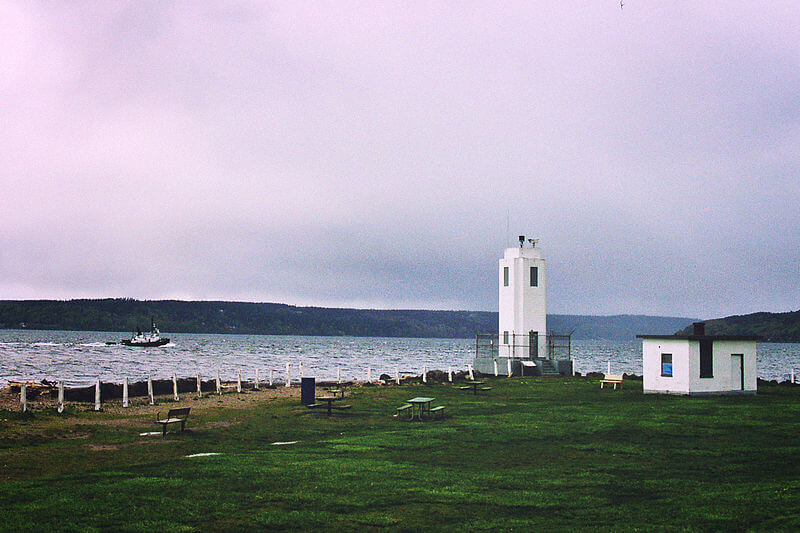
(666, 365)
(505, 276)
(534, 276)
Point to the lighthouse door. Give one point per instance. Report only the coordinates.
(533, 344)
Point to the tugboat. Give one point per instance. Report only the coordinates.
(146, 341)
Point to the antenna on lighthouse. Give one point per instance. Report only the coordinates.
(521, 240)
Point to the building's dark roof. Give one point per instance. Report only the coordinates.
(703, 337)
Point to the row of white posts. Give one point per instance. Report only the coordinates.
(176, 397)
(288, 382)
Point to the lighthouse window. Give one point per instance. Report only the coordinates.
(534, 276)
(505, 337)
(666, 365)
(505, 276)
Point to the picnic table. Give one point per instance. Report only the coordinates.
(420, 405)
(474, 386)
(329, 400)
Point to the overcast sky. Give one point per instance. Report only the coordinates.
(383, 154)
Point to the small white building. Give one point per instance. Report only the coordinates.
(699, 363)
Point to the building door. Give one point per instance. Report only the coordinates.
(737, 371)
(533, 341)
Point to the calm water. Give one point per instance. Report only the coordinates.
(79, 357)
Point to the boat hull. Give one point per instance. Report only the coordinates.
(146, 344)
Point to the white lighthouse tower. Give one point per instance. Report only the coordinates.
(523, 306)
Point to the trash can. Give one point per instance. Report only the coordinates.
(308, 391)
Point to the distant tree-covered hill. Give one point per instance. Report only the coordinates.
(773, 327)
(615, 327)
(281, 319)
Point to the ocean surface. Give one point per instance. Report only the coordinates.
(80, 357)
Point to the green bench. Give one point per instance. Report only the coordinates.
(402, 409)
(438, 410)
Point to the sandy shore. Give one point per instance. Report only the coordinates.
(10, 400)
(43, 398)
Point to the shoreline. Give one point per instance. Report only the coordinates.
(43, 397)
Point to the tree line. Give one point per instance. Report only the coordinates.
(772, 327)
(176, 316)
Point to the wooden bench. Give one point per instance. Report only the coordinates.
(173, 417)
(611, 379)
(439, 409)
(402, 409)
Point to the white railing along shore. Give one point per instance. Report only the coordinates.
(218, 382)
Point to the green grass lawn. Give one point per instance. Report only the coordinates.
(531, 454)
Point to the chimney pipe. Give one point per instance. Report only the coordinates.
(699, 328)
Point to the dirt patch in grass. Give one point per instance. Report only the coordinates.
(220, 424)
(102, 447)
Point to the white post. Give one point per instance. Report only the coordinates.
(256, 385)
(23, 397)
(450, 374)
(175, 387)
(424, 374)
(60, 396)
(125, 392)
(509, 367)
(97, 395)
(219, 384)
(199, 389)
(608, 368)
(572, 367)
(369, 375)
(288, 376)
(471, 374)
(270, 376)
(239, 381)
(338, 374)
(791, 376)
(495, 368)
(300, 370)
(397, 375)
(150, 390)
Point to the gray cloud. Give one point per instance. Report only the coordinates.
(371, 155)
